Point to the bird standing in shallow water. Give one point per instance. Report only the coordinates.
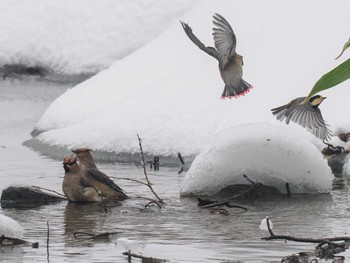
(230, 63)
(106, 187)
(307, 114)
(75, 186)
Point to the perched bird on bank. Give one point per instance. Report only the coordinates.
(230, 63)
(306, 114)
(107, 188)
(75, 186)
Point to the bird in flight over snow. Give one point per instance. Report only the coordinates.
(305, 113)
(230, 63)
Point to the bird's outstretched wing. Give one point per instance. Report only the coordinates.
(311, 119)
(224, 38)
(209, 50)
(95, 174)
(305, 115)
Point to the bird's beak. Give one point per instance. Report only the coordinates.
(323, 98)
(74, 151)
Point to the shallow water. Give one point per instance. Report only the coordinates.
(179, 232)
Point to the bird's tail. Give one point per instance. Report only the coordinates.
(236, 91)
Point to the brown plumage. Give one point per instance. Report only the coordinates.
(230, 63)
(107, 188)
(75, 186)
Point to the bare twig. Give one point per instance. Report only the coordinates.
(48, 242)
(89, 236)
(144, 259)
(153, 202)
(42, 188)
(134, 180)
(145, 172)
(11, 241)
(302, 239)
(181, 158)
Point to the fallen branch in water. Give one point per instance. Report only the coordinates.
(301, 239)
(11, 241)
(89, 236)
(144, 259)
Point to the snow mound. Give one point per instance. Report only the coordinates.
(80, 36)
(169, 91)
(267, 154)
(10, 227)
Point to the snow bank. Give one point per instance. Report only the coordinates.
(266, 153)
(10, 227)
(169, 91)
(80, 36)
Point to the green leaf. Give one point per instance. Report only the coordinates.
(346, 46)
(332, 78)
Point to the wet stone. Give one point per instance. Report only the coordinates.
(27, 197)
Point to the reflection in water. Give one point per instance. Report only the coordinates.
(82, 217)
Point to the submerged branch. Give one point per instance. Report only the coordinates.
(144, 259)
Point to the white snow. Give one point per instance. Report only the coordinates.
(266, 153)
(10, 227)
(80, 36)
(169, 91)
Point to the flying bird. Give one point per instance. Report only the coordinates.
(305, 113)
(105, 185)
(75, 186)
(230, 62)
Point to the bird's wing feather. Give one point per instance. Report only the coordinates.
(224, 39)
(311, 118)
(103, 178)
(209, 50)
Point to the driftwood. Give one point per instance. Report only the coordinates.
(90, 236)
(327, 247)
(11, 241)
(143, 258)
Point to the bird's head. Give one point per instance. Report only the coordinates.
(316, 100)
(81, 150)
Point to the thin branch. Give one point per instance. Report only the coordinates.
(135, 180)
(145, 172)
(42, 188)
(302, 239)
(144, 259)
(90, 236)
(48, 242)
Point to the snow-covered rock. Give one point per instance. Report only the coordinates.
(267, 154)
(10, 227)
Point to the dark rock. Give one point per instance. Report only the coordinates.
(27, 197)
(336, 163)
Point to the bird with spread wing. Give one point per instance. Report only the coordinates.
(230, 62)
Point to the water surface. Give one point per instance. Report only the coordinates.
(180, 231)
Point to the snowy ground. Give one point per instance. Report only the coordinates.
(169, 91)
